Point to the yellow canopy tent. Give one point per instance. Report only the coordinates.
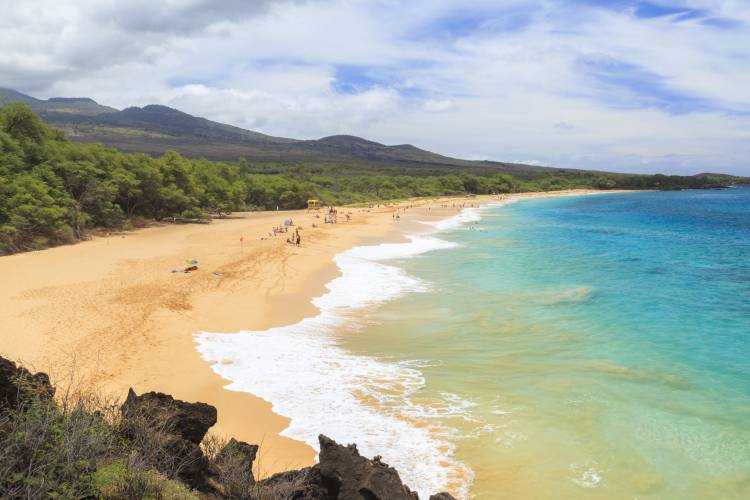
(313, 204)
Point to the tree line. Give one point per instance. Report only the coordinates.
(52, 190)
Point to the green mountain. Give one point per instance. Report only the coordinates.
(72, 106)
(155, 129)
(52, 191)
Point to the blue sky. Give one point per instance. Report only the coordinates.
(627, 85)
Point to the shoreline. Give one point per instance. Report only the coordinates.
(109, 311)
(309, 347)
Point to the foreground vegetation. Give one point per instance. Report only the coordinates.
(79, 447)
(72, 444)
(52, 191)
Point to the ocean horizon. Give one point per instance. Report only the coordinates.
(566, 347)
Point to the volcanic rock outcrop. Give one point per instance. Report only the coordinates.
(166, 435)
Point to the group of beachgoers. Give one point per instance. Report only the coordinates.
(276, 230)
(284, 229)
(458, 206)
(295, 238)
(331, 217)
(395, 215)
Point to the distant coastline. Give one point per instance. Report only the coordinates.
(61, 192)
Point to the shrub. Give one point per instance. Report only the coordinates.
(51, 451)
(234, 470)
(147, 485)
(79, 446)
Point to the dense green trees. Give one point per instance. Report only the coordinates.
(52, 190)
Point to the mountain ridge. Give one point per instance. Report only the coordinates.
(70, 105)
(154, 129)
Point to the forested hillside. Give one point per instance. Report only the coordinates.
(52, 191)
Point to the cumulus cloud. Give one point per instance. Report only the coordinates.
(630, 85)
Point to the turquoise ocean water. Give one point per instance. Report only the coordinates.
(598, 345)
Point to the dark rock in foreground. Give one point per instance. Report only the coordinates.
(18, 385)
(303, 484)
(246, 453)
(166, 435)
(342, 474)
(180, 429)
(190, 420)
(349, 476)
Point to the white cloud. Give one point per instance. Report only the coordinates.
(438, 105)
(565, 83)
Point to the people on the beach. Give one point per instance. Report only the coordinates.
(187, 269)
(332, 217)
(295, 238)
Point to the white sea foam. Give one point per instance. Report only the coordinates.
(585, 475)
(468, 215)
(465, 216)
(307, 376)
(501, 412)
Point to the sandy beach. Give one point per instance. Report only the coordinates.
(111, 312)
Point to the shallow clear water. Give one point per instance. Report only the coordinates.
(581, 347)
(597, 346)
